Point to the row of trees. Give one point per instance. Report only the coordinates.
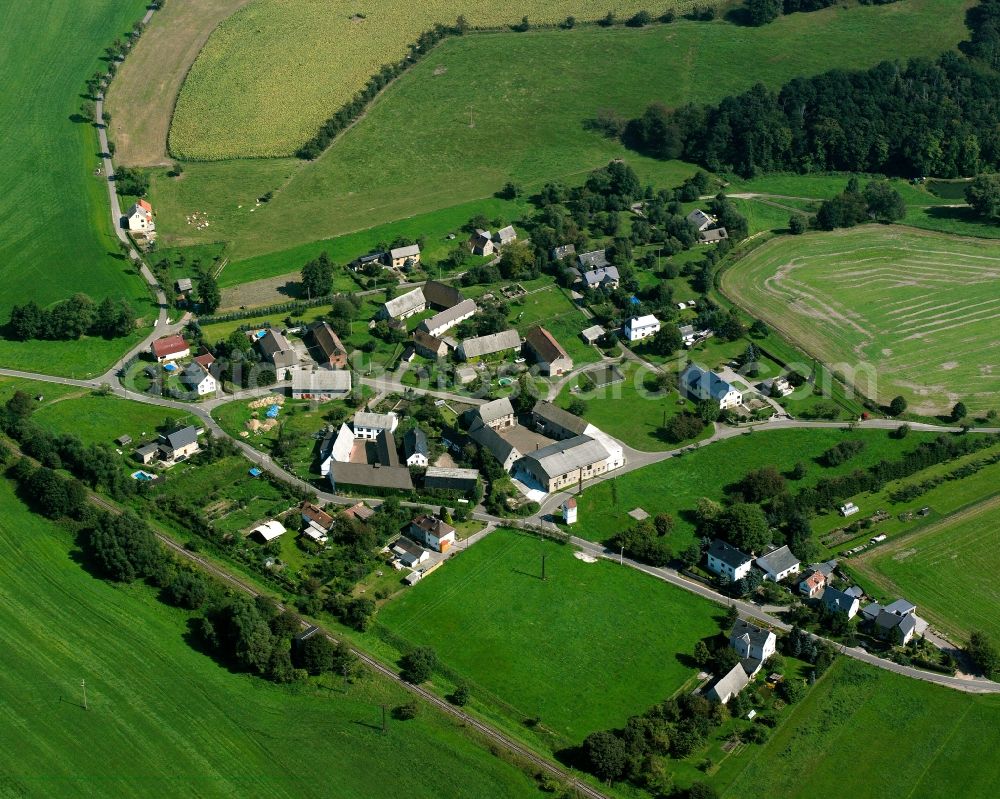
(70, 319)
(762, 12)
(922, 118)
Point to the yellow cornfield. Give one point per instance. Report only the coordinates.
(274, 71)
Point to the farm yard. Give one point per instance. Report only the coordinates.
(918, 307)
(565, 649)
(836, 740)
(48, 158)
(542, 86)
(164, 713)
(941, 568)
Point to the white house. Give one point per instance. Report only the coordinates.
(639, 327)
(368, 425)
(569, 511)
(753, 644)
(139, 218)
(268, 531)
(432, 532)
(416, 448)
(727, 560)
(197, 378)
(779, 564)
(700, 219)
(441, 323)
(409, 553)
(703, 384)
(730, 684)
(837, 601)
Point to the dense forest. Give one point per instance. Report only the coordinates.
(925, 117)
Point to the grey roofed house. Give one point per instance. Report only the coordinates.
(494, 411)
(409, 251)
(595, 259)
(560, 252)
(713, 236)
(506, 235)
(183, 284)
(320, 381)
(146, 452)
(886, 622)
(557, 422)
(488, 345)
(404, 305)
(838, 601)
(123, 441)
(448, 318)
(441, 295)
(193, 374)
(593, 278)
(415, 443)
(871, 611)
(450, 478)
(374, 421)
(900, 607)
(499, 447)
(855, 591)
(694, 376)
(700, 219)
(592, 333)
(781, 560)
(410, 551)
(370, 258)
(728, 554)
(561, 457)
(276, 349)
(362, 474)
(181, 438)
(727, 686)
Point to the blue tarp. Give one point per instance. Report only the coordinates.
(272, 412)
(255, 472)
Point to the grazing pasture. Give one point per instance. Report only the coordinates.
(434, 140)
(162, 714)
(55, 228)
(582, 650)
(941, 569)
(910, 313)
(837, 738)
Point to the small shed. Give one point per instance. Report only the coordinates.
(123, 441)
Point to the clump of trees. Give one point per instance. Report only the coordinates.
(983, 653)
(70, 319)
(878, 202)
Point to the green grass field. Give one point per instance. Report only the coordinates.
(940, 568)
(907, 312)
(47, 169)
(676, 484)
(166, 719)
(855, 720)
(541, 86)
(583, 650)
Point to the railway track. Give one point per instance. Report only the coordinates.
(522, 751)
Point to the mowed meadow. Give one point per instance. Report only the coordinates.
(912, 313)
(867, 733)
(166, 720)
(486, 108)
(302, 59)
(55, 227)
(941, 568)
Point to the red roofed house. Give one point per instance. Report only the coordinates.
(140, 217)
(170, 348)
(547, 352)
(813, 584)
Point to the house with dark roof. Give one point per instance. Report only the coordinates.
(410, 553)
(431, 532)
(701, 384)
(180, 444)
(554, 422)
(595, 259)
(429, 346)
(383, 469)
(481, 242)
(605, 277)
(441, 296)
(276, 349)
(546, 352)
(449, 478)
(197, 378)
(700, 219)
(713, 236)
(726, 560)
(327, 348)
(562, 251)
(501, 449)
(753, 644)
(416, 449)
(778, 564)
(837, 601)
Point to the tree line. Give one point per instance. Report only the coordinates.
(919, 118)
(70, 319)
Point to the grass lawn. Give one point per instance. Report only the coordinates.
(940, 568)
(164, 717)
(542, 85)
(838, 738)
(48, 162)
(675, 485)
(633, 411)
(582, 650)
(907, 312)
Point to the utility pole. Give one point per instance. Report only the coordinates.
(621, 558)
(83, 684)
(543, 566)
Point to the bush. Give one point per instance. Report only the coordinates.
(418, 665)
